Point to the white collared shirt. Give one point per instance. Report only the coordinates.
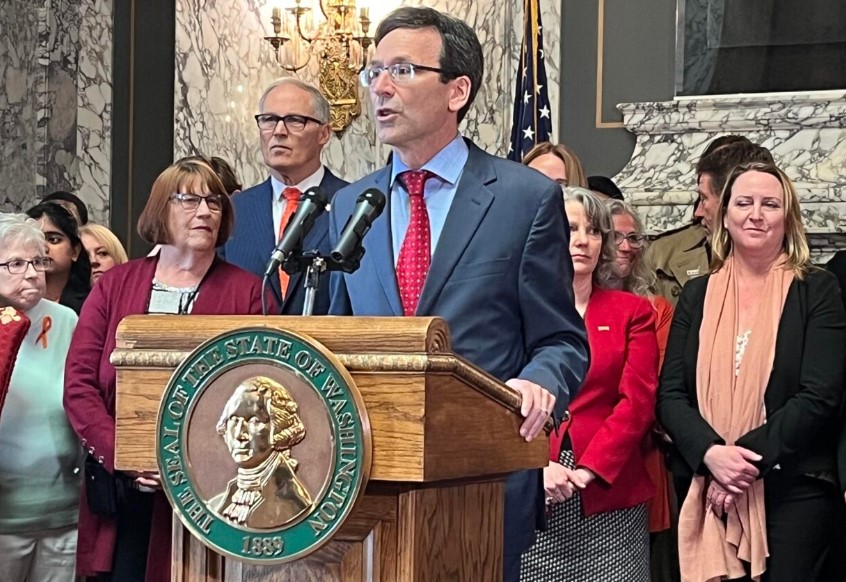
(279, 202)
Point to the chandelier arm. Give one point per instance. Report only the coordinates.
(293, 68)
(303, 36)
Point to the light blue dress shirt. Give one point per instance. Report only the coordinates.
(438, 192)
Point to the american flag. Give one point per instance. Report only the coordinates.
(532, 122)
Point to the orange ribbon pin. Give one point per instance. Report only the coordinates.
(46, 324)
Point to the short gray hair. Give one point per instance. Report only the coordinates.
(605, 274)
(318, 101)
(19, 230)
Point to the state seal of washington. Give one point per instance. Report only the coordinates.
(263, 444)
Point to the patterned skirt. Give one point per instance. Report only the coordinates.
(606, 547)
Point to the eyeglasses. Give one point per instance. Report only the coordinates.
(635, 240)
(19, 266)
(269, 121)
(400, 72)
(192, 201)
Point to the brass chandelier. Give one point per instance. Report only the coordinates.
(341, 43)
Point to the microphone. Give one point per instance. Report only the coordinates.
(312, 204)
(368, 207)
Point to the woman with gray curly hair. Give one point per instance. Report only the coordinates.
(596, 482)
(40, 455)
(636, 277)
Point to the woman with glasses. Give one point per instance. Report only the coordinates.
(40, 455)
(596, 481)
(636, 277)
(189, 214)
(69, 275)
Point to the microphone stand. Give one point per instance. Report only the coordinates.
(315, 265)
(312, 282)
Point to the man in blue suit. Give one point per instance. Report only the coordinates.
(475, 239)
(293, 127)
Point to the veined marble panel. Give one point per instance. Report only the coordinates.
(19, 69)
(59, 50)
(94, 108)
(223, 64)
(806, 134)
(55, 102)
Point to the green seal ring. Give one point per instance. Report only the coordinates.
(350, 429)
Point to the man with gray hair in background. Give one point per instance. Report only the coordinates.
(293, 124)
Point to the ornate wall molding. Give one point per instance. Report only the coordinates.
(806, 133)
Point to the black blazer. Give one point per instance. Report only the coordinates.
(803, 397)
(837, 265)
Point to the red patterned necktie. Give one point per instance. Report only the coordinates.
(292, 200)
(415, 252)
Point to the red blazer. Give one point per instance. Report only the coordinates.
(615, 406)
(90, 388)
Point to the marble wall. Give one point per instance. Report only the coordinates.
(20, 75)
(94, 107)
(806, 132)
(223, 65)
(50, 90)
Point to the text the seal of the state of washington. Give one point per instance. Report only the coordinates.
(263, 444)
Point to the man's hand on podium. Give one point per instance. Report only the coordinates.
(536, 408)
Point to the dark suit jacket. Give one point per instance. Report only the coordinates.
(804, 394)
(616, 404)
(253, 240)
(501, 276)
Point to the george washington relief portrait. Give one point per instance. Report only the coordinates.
(260, 425)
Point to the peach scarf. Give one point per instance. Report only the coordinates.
(710, 549)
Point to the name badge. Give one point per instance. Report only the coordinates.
(693, 272)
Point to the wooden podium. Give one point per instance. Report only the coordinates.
(444, 436)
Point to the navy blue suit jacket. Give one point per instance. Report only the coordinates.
(501, 276)
(253, 240)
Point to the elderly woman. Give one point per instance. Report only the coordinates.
(189, 214)
(104, 249)
(40, 455)
(69, 275)
(557, 162)
(751, 392)
(596, 482)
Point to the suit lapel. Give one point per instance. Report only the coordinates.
(471, 203)
(379, 249)
(260, 212)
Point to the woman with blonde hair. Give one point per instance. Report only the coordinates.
(557, 162)
(751, 393)
(104, 249)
